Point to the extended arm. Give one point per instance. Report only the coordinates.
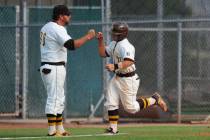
(101, 45)
(77, 43)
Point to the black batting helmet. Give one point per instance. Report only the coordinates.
(120, 30)
(60, 10)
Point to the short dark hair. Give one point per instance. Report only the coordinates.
(60, 10)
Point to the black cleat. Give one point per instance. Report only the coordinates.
(159, 101)
(110, 131)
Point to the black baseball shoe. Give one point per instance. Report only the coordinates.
(111, 131)
(159, 101)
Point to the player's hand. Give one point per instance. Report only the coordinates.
(110, 67)
(99, 36)
(91, 34)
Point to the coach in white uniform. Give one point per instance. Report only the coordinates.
(55, 42)
(125, 83)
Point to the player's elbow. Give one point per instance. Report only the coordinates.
(77, 44)
(101, 53)
(69, 44)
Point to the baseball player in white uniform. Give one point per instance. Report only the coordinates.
(54, 43)
(125, 83)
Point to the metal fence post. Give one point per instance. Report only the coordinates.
(17, 65)
(25, 59)
(105, 18)
(179, 72)
(160, 69)
(106, 75)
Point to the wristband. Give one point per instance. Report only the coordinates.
(118, 66)
(115, 66)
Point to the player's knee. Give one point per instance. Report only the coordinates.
(111, 107)
(130, 109)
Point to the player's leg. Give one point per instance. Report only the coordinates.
(159, 101)
(59, 126)
(113, 121)
(51, 124)
(60, 76)
(128, 87)
(49, 77)
(54, 84)
(112, 105)
(155, 99)
(128, 96)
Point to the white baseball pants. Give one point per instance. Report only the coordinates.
(124, 89)
(54, 84)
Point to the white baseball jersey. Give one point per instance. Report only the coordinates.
(53, 37)
(118, 51)
(122, 88)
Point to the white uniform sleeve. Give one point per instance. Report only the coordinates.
(109, 48)
(108, 51)
(62, 36)
(127, 52)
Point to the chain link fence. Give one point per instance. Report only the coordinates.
(8, 60)
(172, 56)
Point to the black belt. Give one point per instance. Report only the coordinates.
(53, 63)
(126, 74)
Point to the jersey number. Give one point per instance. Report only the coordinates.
(42, 38)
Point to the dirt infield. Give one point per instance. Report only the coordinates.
(203, 134)
(6, 124)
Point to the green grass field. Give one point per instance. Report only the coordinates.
(126, 133)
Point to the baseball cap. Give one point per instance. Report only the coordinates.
(60, 10)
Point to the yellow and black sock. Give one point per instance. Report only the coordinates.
(143, 102)
(51, 119)
(51, 123)
(59, 119)
(59, 123)
(113, 118)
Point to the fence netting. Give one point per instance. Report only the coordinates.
(157, 28)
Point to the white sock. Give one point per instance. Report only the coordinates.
(51, 129)
(151, 101)
(113, 126)
(60, 128)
